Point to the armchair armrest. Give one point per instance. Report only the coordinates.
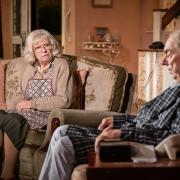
(88, 118)
(54, 120)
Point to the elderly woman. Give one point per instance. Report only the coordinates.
(47, 81)
(45, 84)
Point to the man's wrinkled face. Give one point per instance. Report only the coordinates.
(172, 59)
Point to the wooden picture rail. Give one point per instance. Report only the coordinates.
(170, 14)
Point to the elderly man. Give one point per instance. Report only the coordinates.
(157, 119)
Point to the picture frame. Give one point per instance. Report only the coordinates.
(102, 3)
(100, 32)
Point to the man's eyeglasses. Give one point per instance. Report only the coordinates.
(38, 49)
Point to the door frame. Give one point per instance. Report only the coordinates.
(25, 25)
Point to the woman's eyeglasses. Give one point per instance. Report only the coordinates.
(39, 49)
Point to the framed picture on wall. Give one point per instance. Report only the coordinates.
(102, 3)
(99, 33)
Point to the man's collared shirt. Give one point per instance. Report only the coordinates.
(156, 120)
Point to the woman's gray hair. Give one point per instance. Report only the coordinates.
(35, 36)
(175, 37)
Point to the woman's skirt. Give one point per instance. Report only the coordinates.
(15, 126)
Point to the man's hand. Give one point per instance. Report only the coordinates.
(105, 123)
(108, 133)
(25, 104)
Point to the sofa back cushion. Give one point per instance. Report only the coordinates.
(14, 70)
(104, 86)
(10, 77)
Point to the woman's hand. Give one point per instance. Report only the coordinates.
(107, 134)
(25, 104)
(105, 123)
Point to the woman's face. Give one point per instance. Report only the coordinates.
(43, 51)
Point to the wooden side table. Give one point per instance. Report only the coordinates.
(163, 169)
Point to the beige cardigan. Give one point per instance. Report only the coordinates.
(62, 83)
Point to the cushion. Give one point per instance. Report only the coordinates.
(11, 71)
(80, 80)
(120, 87)
(2, 97)
(129, 93)
(105, 84)
(14, 71)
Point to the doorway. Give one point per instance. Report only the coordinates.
(46, 14)
(28, 15)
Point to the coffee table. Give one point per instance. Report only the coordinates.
(163, 169)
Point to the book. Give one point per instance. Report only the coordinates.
(120, 151)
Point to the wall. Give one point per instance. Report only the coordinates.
(132, 19)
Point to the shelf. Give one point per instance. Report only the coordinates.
(110, 49)
(101, 46)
